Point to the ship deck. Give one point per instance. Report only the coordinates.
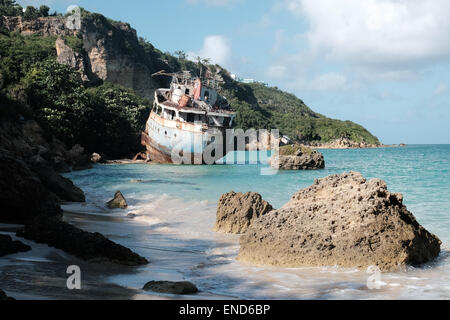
(174, 105)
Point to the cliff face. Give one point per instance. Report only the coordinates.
(110, 50)
(49, 26)
(114, 54)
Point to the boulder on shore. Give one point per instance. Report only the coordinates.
(96, 158)
(9, 246)
(343, 220)
(117, 202)
(79, 159)
(236, 211)
(4, 297)
(59, 185)
(23, 196)
(182, 287)
(297, 157)
(93, 247)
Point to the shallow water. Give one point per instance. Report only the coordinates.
(174, 207)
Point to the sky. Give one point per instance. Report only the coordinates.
(384, 64)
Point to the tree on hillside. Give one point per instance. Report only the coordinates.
(31, 13)
(44, 11)
(180, 54)
(10, 8)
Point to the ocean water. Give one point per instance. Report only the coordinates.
(172, 210)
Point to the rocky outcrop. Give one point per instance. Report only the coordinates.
(111, 50)
(59, 185)
(9, 246)
(29, 184)
(236, 211)
(46, 26)
(118, 202)
(4, 297)
(79, 158)
(88, 246)
(340, 220)
(22, 195)
(25, 140)
(182, 287)
(344, 143)
(297, 157)
(66, 55)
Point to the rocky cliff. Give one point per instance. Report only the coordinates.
(108, 50)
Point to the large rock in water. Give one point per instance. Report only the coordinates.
(182, 287)
(93, 247)
(236, 211)
(340, 220)
(9, 246)
(4, 297)
(297, 157)
(118, 202)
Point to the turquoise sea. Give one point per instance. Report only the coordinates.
(172, 213)
(420, 172)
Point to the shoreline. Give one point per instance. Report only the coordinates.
(354, 148)
(131, 161)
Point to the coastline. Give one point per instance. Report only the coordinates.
(172, 230)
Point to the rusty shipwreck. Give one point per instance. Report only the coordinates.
(185, 119)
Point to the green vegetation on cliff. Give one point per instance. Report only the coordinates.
(294, 118)
(106, 119)
(263, 107)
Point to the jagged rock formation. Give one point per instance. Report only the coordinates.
(9, 246)
(340, 220)
(92, 247)
(182, 287)
(110, 50)
(66, 55)
(4, 297)
(48, 26)
(118, 202)
(23, 196)
(79, 158)
(344, 143)
(297, 157)
(236, 211)
(59, 185)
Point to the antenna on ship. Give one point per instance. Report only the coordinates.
(163, 73)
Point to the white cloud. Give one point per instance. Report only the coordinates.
(440, 89)
(277, 71)
(214, 3)
(215, 47)
(329, 82)
(389, 33)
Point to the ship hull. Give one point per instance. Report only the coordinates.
(171, 141)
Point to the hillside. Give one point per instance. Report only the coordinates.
(94, 86)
